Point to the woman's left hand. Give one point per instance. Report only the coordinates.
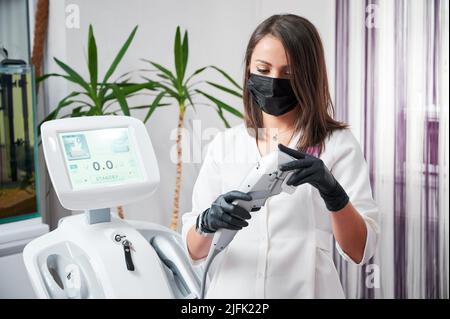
(312, 170)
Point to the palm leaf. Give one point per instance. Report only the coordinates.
(46, 76)
(164, 87)
(77, 112)
(178, 54)
(92, 60)
(229, 78)
(162, 69)
(185, 53)
(224, 120)
(221, 105)
(188, 96)
(154, 105)
(121, 99)
(120, 55)
(128, 89)
(73, 76)
(146, 106)
(194, 74)
(220, 87)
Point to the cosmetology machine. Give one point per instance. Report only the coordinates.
(96, 163)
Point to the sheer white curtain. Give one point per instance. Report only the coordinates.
(392, 87)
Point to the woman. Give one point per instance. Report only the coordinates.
(284, 250)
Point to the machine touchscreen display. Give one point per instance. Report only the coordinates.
(98, 158)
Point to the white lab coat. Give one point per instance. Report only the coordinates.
(286, 251)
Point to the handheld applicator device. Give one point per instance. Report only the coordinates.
(264, 180)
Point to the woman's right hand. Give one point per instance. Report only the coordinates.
(224, 214)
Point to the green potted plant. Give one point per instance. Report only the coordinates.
(94, 97)
(176, 86)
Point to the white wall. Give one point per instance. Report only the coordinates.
(14, 282)
(218, 34)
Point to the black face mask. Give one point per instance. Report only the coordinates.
(273, 95)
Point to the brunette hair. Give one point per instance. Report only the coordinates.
(306, 59)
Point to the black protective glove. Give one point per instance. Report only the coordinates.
(223, 214)
(312, 170)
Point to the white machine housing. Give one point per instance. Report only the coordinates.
(102, 256)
